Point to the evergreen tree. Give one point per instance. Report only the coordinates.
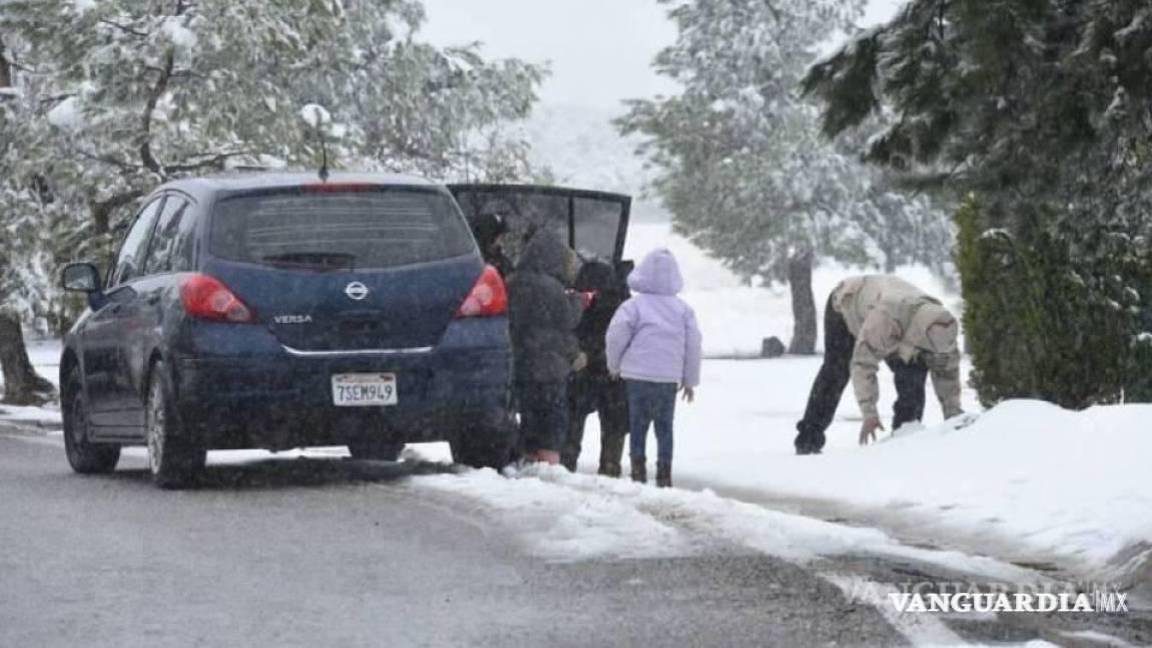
(1043, 111)
(740, 161)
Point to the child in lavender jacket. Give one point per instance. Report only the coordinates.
(654, 343)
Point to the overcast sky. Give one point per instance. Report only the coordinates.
(600, 51)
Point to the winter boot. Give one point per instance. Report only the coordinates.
(639, 470)
(610, 469)
(664, 474)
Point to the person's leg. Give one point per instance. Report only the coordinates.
(613, 427)
(910, 378)
(665, 414)
(554, 401)
(581, 402)
(639, 417)
(829, 385)
(529, 418)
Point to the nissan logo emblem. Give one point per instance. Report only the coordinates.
(356, 290)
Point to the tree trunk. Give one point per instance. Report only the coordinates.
(22, 385)
(5, 69)
(803, 304)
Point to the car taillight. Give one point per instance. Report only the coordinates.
(205, 297)
(488, 297)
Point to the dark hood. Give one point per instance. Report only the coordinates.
(546, 254)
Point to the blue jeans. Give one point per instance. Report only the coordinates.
(651, 403)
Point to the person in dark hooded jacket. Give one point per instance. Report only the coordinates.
(543, 316)
(592, 389)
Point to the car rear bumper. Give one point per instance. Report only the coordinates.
(277, 398)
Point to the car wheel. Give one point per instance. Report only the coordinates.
(489, 446)
(173, 460)
(84, 456)
(375, 449)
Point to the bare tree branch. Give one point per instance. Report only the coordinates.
(124, 28)
(147, 157)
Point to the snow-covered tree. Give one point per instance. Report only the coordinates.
(1042, 112)
(116, 96)
(22, 283)
(740, 160)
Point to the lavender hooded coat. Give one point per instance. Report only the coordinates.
(654, 336)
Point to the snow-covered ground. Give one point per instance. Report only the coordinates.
(1025, 482)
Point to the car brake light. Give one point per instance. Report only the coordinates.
(205, 297)
(488, 298)
(339, 187)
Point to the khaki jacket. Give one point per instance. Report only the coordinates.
(889, 316)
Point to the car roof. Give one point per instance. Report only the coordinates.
(257, 180)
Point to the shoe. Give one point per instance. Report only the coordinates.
(639, 470)
(610, 470)
(664, 475)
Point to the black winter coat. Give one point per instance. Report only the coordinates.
(598, 277)
(542, 314)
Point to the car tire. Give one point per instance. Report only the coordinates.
(85, 457)
(173, 459)
(375, 449)
(488, 446)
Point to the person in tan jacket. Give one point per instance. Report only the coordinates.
(881, 318)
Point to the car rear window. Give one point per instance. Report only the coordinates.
(361, 229)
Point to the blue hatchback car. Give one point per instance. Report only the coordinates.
(277, 310)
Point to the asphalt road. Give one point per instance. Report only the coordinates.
(345, 553)
(340, 553)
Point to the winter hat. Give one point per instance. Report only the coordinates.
(489, 225)
(934, 329)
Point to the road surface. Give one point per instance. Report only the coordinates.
(312, 552)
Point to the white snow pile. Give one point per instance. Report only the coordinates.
(1027, 481)
(565, 517)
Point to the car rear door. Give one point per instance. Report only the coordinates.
(346, 268)
(594, 223)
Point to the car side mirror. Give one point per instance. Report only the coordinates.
(80, 277)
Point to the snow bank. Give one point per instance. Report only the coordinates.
(565, 517)
(1026, 481)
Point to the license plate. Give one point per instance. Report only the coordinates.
(364, 390)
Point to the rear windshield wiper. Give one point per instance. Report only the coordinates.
(313, 260)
